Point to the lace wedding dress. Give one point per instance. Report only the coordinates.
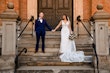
(68, 47)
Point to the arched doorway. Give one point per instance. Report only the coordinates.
(54, 9)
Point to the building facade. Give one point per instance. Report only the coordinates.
(54, 9)
(27, 8)
(17, 46)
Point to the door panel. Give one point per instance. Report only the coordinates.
(54, 9)
(66, 9)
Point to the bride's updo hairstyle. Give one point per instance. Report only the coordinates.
(65, 16)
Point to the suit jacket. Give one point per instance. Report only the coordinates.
(41, 26)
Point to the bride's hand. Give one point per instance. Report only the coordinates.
(71, 32)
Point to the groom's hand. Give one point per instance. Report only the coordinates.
(53, 30)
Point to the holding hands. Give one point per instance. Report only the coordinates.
(53, 30)
(71, 32)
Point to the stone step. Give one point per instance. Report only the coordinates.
(53, 62)
(27, 63)
(50, 50)
(58, 64)
(47, 33)
(40, 50)
(36, 58)
(54, 35)
(34, 42)
(49, 54)
(52, 53)
(50, 45)
(57, 38)
(39, 54)
(55, 69)
(31, 45)
(25, 59)
(46, 37)
(57, 33)
(49, 42)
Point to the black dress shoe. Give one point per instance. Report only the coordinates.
(36, 51)
(43, 51)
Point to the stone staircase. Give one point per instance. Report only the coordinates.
(37, 63)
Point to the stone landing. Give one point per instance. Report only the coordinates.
(55, 69)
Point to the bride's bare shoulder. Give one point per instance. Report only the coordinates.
(61, 20)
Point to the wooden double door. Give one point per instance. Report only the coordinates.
(54, 9)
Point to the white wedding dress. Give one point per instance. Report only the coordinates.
(68, 47)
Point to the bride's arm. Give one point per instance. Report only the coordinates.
(70, 28)
(58, 26)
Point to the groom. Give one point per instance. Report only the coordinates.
(40, 25)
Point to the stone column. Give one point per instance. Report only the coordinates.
(78, 10)
(8, 39)
(101, 38)
(32, 8)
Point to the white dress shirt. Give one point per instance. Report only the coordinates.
(41, 20)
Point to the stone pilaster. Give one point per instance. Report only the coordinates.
(101, 38)
(9, 30)
(7, 59)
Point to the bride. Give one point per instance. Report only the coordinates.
(67, 46)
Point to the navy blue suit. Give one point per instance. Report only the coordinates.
(40, 32)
